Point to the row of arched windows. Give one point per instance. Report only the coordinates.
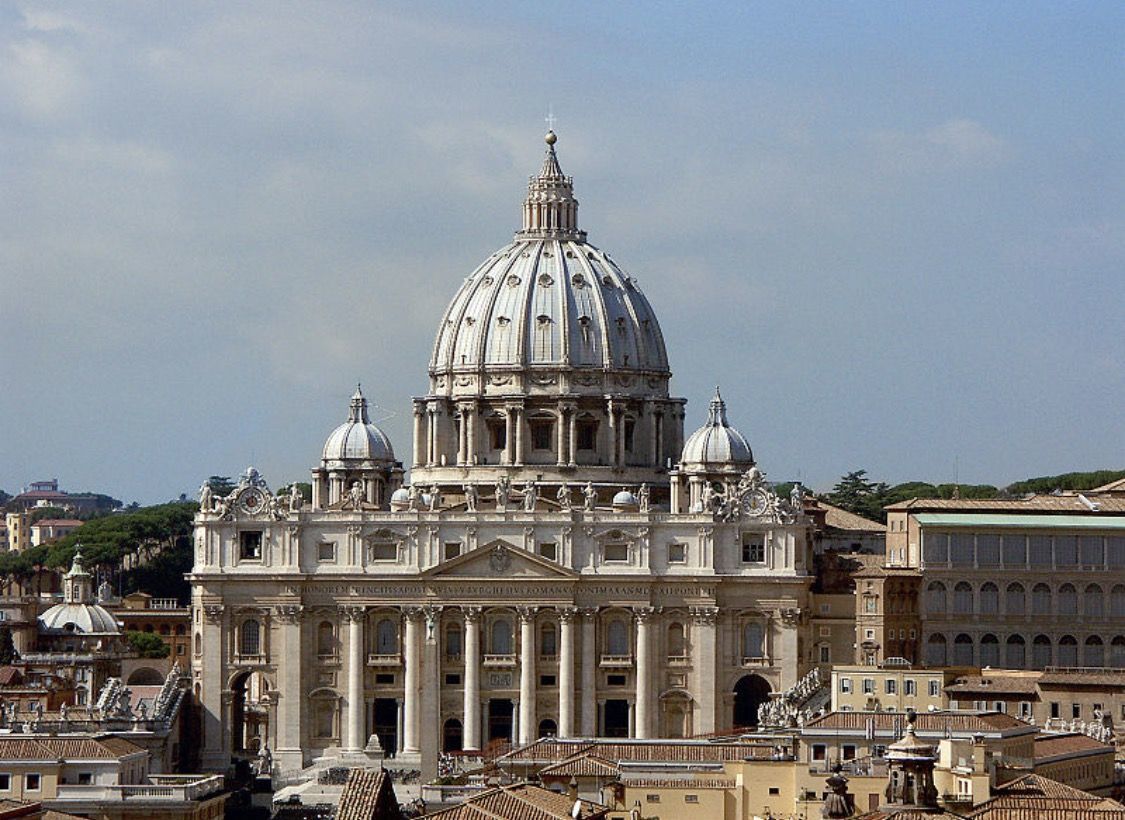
(1016, 599)
(1015, 652)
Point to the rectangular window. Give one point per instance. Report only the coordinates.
(869, 604)
(616, 552)
(5, 782)
(1054, 709)
(909, 687)
(988, 550)
(630, 430)
(385, 678)
(542, 431)
(1076, 710)
(878, 751)
(652, 798)
(819, 751)
(326, 551)
(547, 680)
(614, 680)
(250, 546)
(677, 554)
(753, 548)
(85, 778)
(846, 685)
(869, 686)
(935, 688)
(774, 791)
(961, 549)
(691, 798)
(890, 686)
(452, 549)
(586, 431)
(498, 434)
(849, 751)
(869, 634)
(549, 550)
(384, 551)
(825, 632)
(453, 679)
(825, 654)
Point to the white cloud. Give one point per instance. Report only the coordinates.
(43, 81)
(50, 21)
(954, 144)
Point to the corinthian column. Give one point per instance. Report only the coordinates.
(589, 671)
(412, 676)
(566, 673)
(471, 726)
(703, 663)
(287, 745)
(645, 705)
(527, 675)
(354, 740)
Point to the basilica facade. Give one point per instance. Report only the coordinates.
(562, 561)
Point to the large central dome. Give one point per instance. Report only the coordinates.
(551, 308)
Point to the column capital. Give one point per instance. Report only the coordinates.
(590, 613)
(644, 614)
(527, 613)
(704, 615)
(288, 613)
(471, 614)
(213, 613)
(567, 614)
(412, 613)
(352, 613)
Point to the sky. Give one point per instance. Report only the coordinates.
(894, 233)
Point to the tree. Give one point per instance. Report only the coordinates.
(8, 653)
(220, 484)
(856, 494)
(147, 644)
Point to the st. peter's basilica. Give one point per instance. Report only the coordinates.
(562, 562)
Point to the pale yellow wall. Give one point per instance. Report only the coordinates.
(881, 700)
(674, 803)
(1089, 773)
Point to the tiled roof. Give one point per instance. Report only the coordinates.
(995, 685)
(10, 675)
(368, 795)
(1050, 746)
(909, 814)
(585, 765)
(71, 748)
(843, 520)
(59, 522)
(876, 571)
(925, 721)
(1034, 504)
(1035, 796)
(659, 751)
(521, 801)
(1082, 677)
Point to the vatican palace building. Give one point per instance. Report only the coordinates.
(563, 561)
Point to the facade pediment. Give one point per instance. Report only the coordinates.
(498, 559)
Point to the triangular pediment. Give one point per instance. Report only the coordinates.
(500, 559)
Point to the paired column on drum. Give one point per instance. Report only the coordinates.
(471, 726)
(411, 712)
(528, 723)
(566, 673)
(354, 739)
(644, 702)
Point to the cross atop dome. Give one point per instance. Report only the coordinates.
(550, 210)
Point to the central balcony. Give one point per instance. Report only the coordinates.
(499, 661)
(617, 661)
(385, 660)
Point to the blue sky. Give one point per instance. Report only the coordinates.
(893, 233)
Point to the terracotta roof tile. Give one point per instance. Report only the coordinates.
(844, 520)
(926, 722)
(995, 684)
(1049, 746)
(585, 765)
(1035, 796)
(368, 795)
(1035, 504)
(552, 750)
(521, 801)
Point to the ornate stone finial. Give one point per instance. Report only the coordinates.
(550, 210)
(717, 410)
(357, 411)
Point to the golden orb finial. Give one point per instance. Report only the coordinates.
(551, 138)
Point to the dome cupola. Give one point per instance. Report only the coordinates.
(357, 439)
(716, 444)
(78, 613)
(357, 465)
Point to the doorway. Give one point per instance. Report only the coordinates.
(500, 719)
(750, 692)
(616, 718)
(385, 716)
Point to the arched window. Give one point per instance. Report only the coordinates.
(386, 637)
(617, 638)
(1016, 652)
(936, 654)
(1117, 601)
(1068, 600)
(676, 648)
(1068, 651)
(1041, 651)
(1041, 599)
(989, 650)
(963, 650)
(251, 637)
(935, 598)
(501, 637)
(963, 598)
(989, 599)
(1093, 602)
(548, 641)
(752, 639)
(325, 639)
(1095, 651)
(1117, 652)
(1014, 599)
(452, 641)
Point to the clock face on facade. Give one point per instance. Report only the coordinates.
(251, 501)
(756, 503)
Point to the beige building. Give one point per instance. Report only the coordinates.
(19, 530)
(564, 562)
(1055, 698)
(891, 687)
(48, 529)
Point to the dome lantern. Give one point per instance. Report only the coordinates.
(550, 210)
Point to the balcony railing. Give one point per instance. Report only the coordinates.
(384, 659)
(161, 788)
(499, 660)
(617, 660)
(165, 603)
(755, 661)
(679, 660)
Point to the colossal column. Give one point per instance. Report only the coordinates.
(527, 675)
(354, 739)
(287, 746)
(412, 677)
(471, 727)
(703, 661)
(589, 672)
(645, 703)
(566, 673)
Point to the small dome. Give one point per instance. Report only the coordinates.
(89, 619)
(358, 439)
(716, 442)
(625, 499)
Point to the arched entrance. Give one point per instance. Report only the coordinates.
(548, 728)
(750, 692)
(451, 736)
(249, 712)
